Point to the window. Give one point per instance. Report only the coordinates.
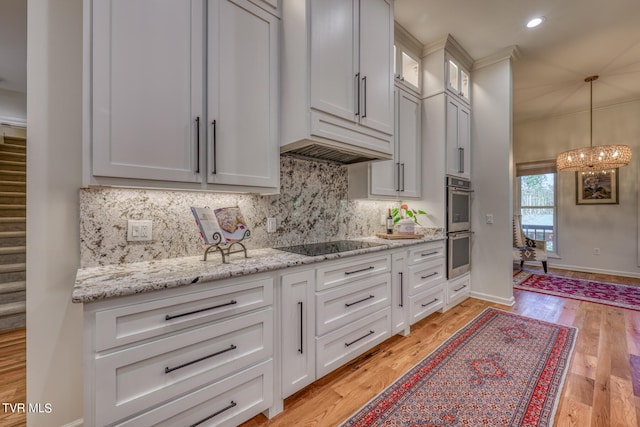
(537, 189)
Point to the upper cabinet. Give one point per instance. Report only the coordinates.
(407, 69)
(446, 67)
(458, 138)
(150, 80)
(337, 86)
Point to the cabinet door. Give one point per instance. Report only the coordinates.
(458, 138)
(399, 294)
(408, 139)
(147, 89)
(376, 65)
(385, 176)
(334, 57)
(298, 344)
(242, 94)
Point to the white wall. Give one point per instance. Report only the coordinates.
(491, 178)
(54, 324)
(612, 228)
(13, 107)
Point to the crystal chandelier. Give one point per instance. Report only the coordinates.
(593, 159)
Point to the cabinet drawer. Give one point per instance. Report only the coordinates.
(154, 372)
(135, 322)
(228, 402)
(427, 252)
(458, 289)
(339, 273)
(426, 303)
(338, 347)
(426, 275)
(341, 306)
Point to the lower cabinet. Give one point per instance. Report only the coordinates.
(399, 293)
(458, 290)
(298, 314)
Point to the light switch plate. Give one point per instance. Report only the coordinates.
(139, 230)
(271, 225)
(489, 218)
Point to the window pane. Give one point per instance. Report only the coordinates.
(537, 207)
(537, 190)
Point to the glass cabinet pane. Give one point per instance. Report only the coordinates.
(453, 75)
(464, 84)
(410, 69)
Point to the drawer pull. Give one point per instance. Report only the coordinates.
(431, 302)
(184, 365)
(429, 275)
(347, 344)
(460, 288)
(169, 317)
(360, 271)
(231, 405)
(430, 253)
(349, 304)
(401, 289)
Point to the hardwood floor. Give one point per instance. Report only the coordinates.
(598, 390)
(13, 375)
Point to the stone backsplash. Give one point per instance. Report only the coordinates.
(312, 207)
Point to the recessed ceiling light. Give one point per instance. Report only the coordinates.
(535, 22)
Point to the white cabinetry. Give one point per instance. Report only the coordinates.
(147, 75)
(427, 277)
(458, 138)
(458, 290)
(401, 176)
(352, 309)
(145, 353)
(458, 79)
(337, 76)
(399, 293)
(297, 331)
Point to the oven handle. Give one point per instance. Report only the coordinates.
(466, 190)
(460, 233)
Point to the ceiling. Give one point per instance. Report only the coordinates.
(578, 38)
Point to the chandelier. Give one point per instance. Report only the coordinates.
(593, 159)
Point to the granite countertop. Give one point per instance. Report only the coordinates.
(97, 283)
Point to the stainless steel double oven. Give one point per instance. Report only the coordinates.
(458, 226)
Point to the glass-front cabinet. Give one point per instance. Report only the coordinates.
(407, 68)
(458, 79)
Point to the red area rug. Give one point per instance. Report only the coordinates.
(501, 369)
(624, 296)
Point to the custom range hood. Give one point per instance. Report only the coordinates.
(332, 151)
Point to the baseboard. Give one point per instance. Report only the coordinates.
(13, 121)
(492, 298)
(76, 423)
(595, 270)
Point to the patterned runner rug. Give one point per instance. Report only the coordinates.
(501, 369)
(624, 296)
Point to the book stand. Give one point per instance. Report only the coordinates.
(224, 248)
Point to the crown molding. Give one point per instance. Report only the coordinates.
(452, 46)
(511, 53)
(405, 38)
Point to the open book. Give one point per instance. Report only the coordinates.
(224, 225)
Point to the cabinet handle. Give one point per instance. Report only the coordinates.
(460, 159)
(402, 164)
(197, 144)
(401, 289)
(169, 317)
(349, 304)
(301, 336)
(429, 303)
(364, 102)
(347, 344)
(429, 275)
(371, 267)
(460, 288)
(398, 175)
(357, 94)
(226, 408)
(430, 253)
(184, 365)
(215, 155)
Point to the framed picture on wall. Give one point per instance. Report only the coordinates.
(597, 188)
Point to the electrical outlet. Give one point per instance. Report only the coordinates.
(272, 225)
(489, 218)
(596, 251)
(383, 219)
(139, 230)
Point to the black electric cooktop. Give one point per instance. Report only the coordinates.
(323, 248)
